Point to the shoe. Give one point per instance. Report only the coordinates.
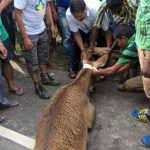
(12, 104)
(41, 91)
(2, 119)
(145, 141)
(141, 115)
(71, 73)
(53, 81)
(47, 79)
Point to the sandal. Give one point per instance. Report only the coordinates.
(141, 115)
(2, 119)
(13, 104)
(19, 91)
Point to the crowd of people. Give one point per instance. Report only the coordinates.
(83, 24)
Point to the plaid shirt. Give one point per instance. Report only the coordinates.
(126, 15)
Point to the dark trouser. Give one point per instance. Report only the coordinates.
(75, 54)
(3, 100)
(10, 26)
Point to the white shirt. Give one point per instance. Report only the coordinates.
(86, 24)
(33, 12)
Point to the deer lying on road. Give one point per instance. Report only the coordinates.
(65, 122)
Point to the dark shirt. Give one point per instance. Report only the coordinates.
(63, 3)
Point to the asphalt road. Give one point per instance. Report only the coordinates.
(113, 128)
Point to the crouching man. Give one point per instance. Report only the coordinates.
(126, 40)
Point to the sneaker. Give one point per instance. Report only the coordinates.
(41, 91)
(47, 79)
(53, 81)
(141, 115)
(71, 73)
(145, 141)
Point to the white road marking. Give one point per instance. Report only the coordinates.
(17, 137)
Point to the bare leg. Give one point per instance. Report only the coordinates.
(8, 74)
(35, 77)
(43, 68)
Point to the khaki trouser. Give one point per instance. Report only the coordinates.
(134, 84)
(143, 54)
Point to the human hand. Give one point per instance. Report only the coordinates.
(95, 71)
(146, 68)
(53, 30)
(3, 51)
(28, 43)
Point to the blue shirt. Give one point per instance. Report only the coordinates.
(63, 3)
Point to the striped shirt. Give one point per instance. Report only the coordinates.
(130, 53)
(126, 15)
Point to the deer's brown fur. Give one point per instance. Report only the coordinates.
(65, 122)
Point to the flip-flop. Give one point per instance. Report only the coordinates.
(19, 91)
(2, 119)
(13, 104)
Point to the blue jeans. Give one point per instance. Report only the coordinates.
(68, 41)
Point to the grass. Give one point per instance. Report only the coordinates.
(57, 57)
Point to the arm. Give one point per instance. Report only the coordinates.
(125, 67)
(50, 19)
(26, 39)
(78, 40)
(93, 38)
(3, 51)
(4, 4)
(97, 24)
(116, 68)
(54, 13)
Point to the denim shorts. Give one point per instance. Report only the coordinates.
(39, 53)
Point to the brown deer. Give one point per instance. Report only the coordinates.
(65, 122)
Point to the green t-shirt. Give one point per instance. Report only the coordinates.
(130, 53)
(143, 25)
(3, 32)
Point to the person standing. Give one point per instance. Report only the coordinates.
(143, 43)
(4, 102)
(67, 38)
(30, 20)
